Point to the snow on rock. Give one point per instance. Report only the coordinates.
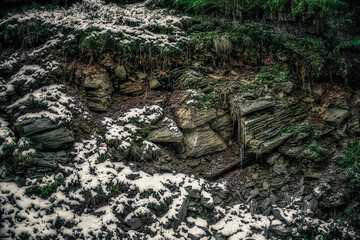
(23, 80)
(125, 132)
(131, 21)
(10, 62)
(47, 102)
(6, 135)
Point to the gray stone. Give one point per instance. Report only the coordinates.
(168, 132)
(217, 199)
(245, 106)
(134, 223)
(34, 125)
(131, 87)
(50, 159)
(273, 198)
(335, 116)
(180, 216)
(271, 160)
(203, 141)
(189, 117)
(281, 231)
(207, 203)
(254, 193)
(253, 206)
(266, 185)
(273, 143)
(265, 204)
(193, 193)
(285, 87)
(280, 166)
(54, 139)
(223, 126)
(285, 188)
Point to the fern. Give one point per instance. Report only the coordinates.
(352, 43)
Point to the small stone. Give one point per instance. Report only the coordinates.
(266, 185)
(217, 199)
(335, 116)
(265, 204)
(255, 176)
(254, 193)
(134, 223)
(308, 197)
(285, 188)
(120, 72)
(194, 162)
(193, 193)
(249, 185)
(267, 211)
(271, 160)
(308, 100)
(141, 75)
(154, 83)
(273, 198)
(181, 214)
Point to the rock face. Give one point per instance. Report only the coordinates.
(54, 139)
(223, 125)
(167, 133)
(98, 88)
(205, 129)
(260, 132)
(44, 116)
(202, 141)
(189, 117)
(246, 106)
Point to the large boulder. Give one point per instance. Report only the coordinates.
(32, 126)
(189, 117)
(167, 133)
(335, 116)
(203, 141)
(54, 139)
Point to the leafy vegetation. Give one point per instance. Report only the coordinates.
(46, 191)
(22, 35)
(18, 155)
(160, 29)
(34, 104)
(351, 164)
(348, 44)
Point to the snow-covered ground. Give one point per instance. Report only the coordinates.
(132, 21)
